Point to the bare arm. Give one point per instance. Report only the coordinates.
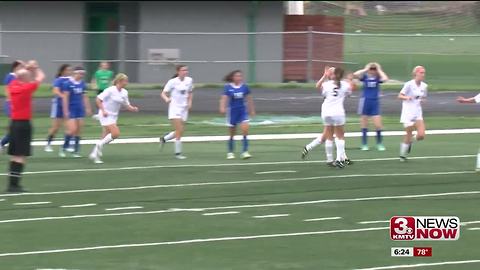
(100, 107)
(190, 100)
(87, 105)
(402, 96)
(359, 73)
(39, 75)
(324, 78)
(383, 75)
(223, 104)
(466, 100)
(65, 100)
(166, 98)
(251, 107)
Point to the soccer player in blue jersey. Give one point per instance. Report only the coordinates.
(369, 106)
(63, 75)
(75, 105)
(237, 103)
(16, 65)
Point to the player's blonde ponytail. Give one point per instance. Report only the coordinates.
(119, 77)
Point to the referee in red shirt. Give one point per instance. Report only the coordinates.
(21, 90)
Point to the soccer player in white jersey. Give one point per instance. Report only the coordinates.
(475, 99)
(109, 103)
(178, 94)
(413, 95)
(333, 116)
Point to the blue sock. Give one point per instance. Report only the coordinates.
(379, 136)
(364, 136)
(66, 143)
(231, 144)
(49, 139)
(77, 144)
(245, 144)
(5, 140)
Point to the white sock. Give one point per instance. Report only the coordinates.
(329, 150)
(169, 136)
(478, 160)
(340, 148)
(106, 140)
(403, 149)
(314, 143)
(178, 147)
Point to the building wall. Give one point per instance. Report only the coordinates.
(210, 17)
(58, 16)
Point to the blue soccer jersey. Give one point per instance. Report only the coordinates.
(237, 108)
(76, 91)
(371, 86)
(8, 78)
(57, 102)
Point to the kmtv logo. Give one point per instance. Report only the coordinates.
(409, 228)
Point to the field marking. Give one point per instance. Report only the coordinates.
(191, 241)
(220, 213)
(373, 221)
(32, 203)
(474, 229)
(418, 265)
(220, 165)
(78, 205)
(272, 216)
(271, 172)
(124, 208)
(469, 222)
(322, 219)
(413, 196)
(1, 200)
(266, 137)
(232, 183)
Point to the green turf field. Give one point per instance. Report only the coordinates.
(209, 213)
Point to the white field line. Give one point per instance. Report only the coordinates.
(402, 266)
(234, 183)
(54, 269)
(245, 206)
(1, 200)
(124, 208)
(191, 241)
(474, 229)
(470, 222)
(267, 137)
(271, 172)
(322, 219)
(272, 216)
(373, 221)
(78, 205)
(225, 165)
(220, 213)
(32, 203)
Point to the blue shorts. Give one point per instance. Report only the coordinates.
(369, 107)
(7, 108)
(76, 112)
(57, 108)
(236, 116)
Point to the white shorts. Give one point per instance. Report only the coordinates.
(409, 118)
(178, 113)
(338, 120)
(107, 121)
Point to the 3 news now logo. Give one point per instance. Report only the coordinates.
(408, 228)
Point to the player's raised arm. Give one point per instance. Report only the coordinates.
(475, 99)
(383, 75)
(326, 74)
(359, 73)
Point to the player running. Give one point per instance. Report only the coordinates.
(369, 105)
(235, 93)
(333, 116)
(109, 102)
(178, 94)
(56, 114)
(413, 94)
(475, 99)
(75, 104)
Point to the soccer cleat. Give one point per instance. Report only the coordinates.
(403, 159)
(364, 147)
(180, 156)
(348, 162)
(246, 155)
(95, 158)
(230, 156)
(62, 153)
(381, 147)
(48, 148)
(339, 164)
(162, 143)
(305, 153)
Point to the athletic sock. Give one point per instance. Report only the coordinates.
(379, 136)
(49, 139)
(77, 144)
(314, 143)
(178, 147)
(66, 143)
(5, 140)
(106, 140)
(231, 145)
(15, 174)
(329, 150)
(404, 149)
(340, 149)
(169, 136)
(364, 136)
(245, 144)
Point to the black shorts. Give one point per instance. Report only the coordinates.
(20, 138)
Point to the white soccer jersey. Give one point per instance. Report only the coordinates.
(334, 97)
(477, 98)
(179, 91)
(412, 109)
(113, 100)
